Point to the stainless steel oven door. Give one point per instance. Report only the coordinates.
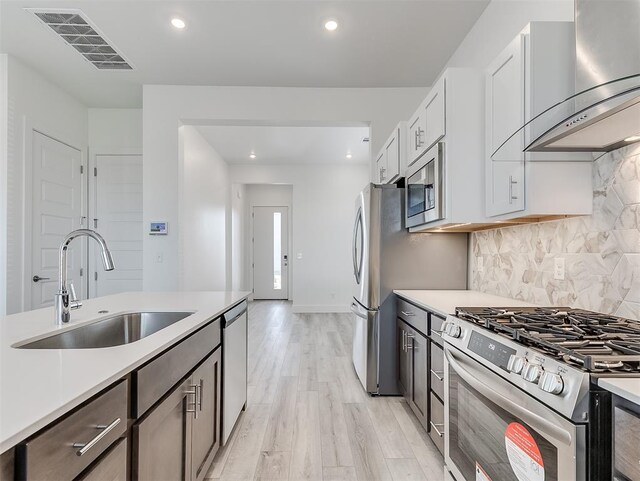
(424, 193)
(496, 432)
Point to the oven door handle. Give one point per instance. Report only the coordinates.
(480, 382)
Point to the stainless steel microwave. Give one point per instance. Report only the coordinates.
(425, 186)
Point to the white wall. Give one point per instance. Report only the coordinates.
(238, 239)
(500, 22)
(322, 225)
(113, 130)
(268, 195)
(33, 103)
(164, 107)
(203, 212)
(3, 184)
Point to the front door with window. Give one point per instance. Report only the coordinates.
(270, 252)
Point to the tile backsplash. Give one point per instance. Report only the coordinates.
(601, 251)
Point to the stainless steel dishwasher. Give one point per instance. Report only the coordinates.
(234, 367)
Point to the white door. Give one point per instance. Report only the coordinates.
(57, 209)
(270, 252)
(118, 218)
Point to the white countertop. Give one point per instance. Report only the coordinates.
(445, 302)
(39, 385)
(627, 388)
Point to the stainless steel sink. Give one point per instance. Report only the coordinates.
(112, 331)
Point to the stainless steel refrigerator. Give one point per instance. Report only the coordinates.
(387, 257)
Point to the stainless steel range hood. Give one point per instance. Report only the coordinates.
(605, 113)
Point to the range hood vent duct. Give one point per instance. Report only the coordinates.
(77, 31)
(605, 113)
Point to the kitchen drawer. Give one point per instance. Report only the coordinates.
(437, 370)
(68, 447)
(436, 423)
(111, 467)
(435, 329)
(157, 377)
(412, 315)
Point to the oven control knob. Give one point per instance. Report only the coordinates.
(515, 364)
(531, 371)
(453, 330)
(551, 383)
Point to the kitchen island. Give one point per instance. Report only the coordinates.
(39, 386)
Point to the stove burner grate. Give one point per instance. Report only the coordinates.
(592, 341)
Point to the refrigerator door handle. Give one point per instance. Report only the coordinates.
(357, 260)
(356, 310)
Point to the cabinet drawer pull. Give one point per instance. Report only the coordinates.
(105, 430)
(438, 374)
(435, 428)
(408, 314)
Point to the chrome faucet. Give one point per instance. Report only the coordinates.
(63, 302)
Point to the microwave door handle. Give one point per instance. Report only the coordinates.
(480, 382)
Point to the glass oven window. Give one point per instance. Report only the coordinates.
(488, 443)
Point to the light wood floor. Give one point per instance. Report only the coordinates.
(308, 416)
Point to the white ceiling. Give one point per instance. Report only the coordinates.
(288, 145)
(383, 43)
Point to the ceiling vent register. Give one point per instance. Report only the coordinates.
(77, 31)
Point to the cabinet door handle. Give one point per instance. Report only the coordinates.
(435, 428)
(511, 183)
(105, 429)
(409, 344)
(199, 396)
(437, 374)
(408, 314)
(193, 392)
(404, 341)
(419, 136)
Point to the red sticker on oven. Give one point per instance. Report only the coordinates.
(523, 453)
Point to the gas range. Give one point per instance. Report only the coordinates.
(528, 377)
(588, 340)
(553, 354)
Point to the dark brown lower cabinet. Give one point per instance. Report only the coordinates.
(111, 467)
(413, 378)
(178, 438)
(206, 431)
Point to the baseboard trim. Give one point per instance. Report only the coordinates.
(317, 309)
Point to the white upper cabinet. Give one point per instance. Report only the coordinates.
(454, 116)
(427, 125)
(535, 71)
(504, 109)
(391, 160)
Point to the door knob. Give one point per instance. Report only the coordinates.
(37, 278)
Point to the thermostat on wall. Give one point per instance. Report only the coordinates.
(158, 228)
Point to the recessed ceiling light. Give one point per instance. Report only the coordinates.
(633, 138)
(331, 25)
(349, 155)
(178, 22)
(252, 155)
